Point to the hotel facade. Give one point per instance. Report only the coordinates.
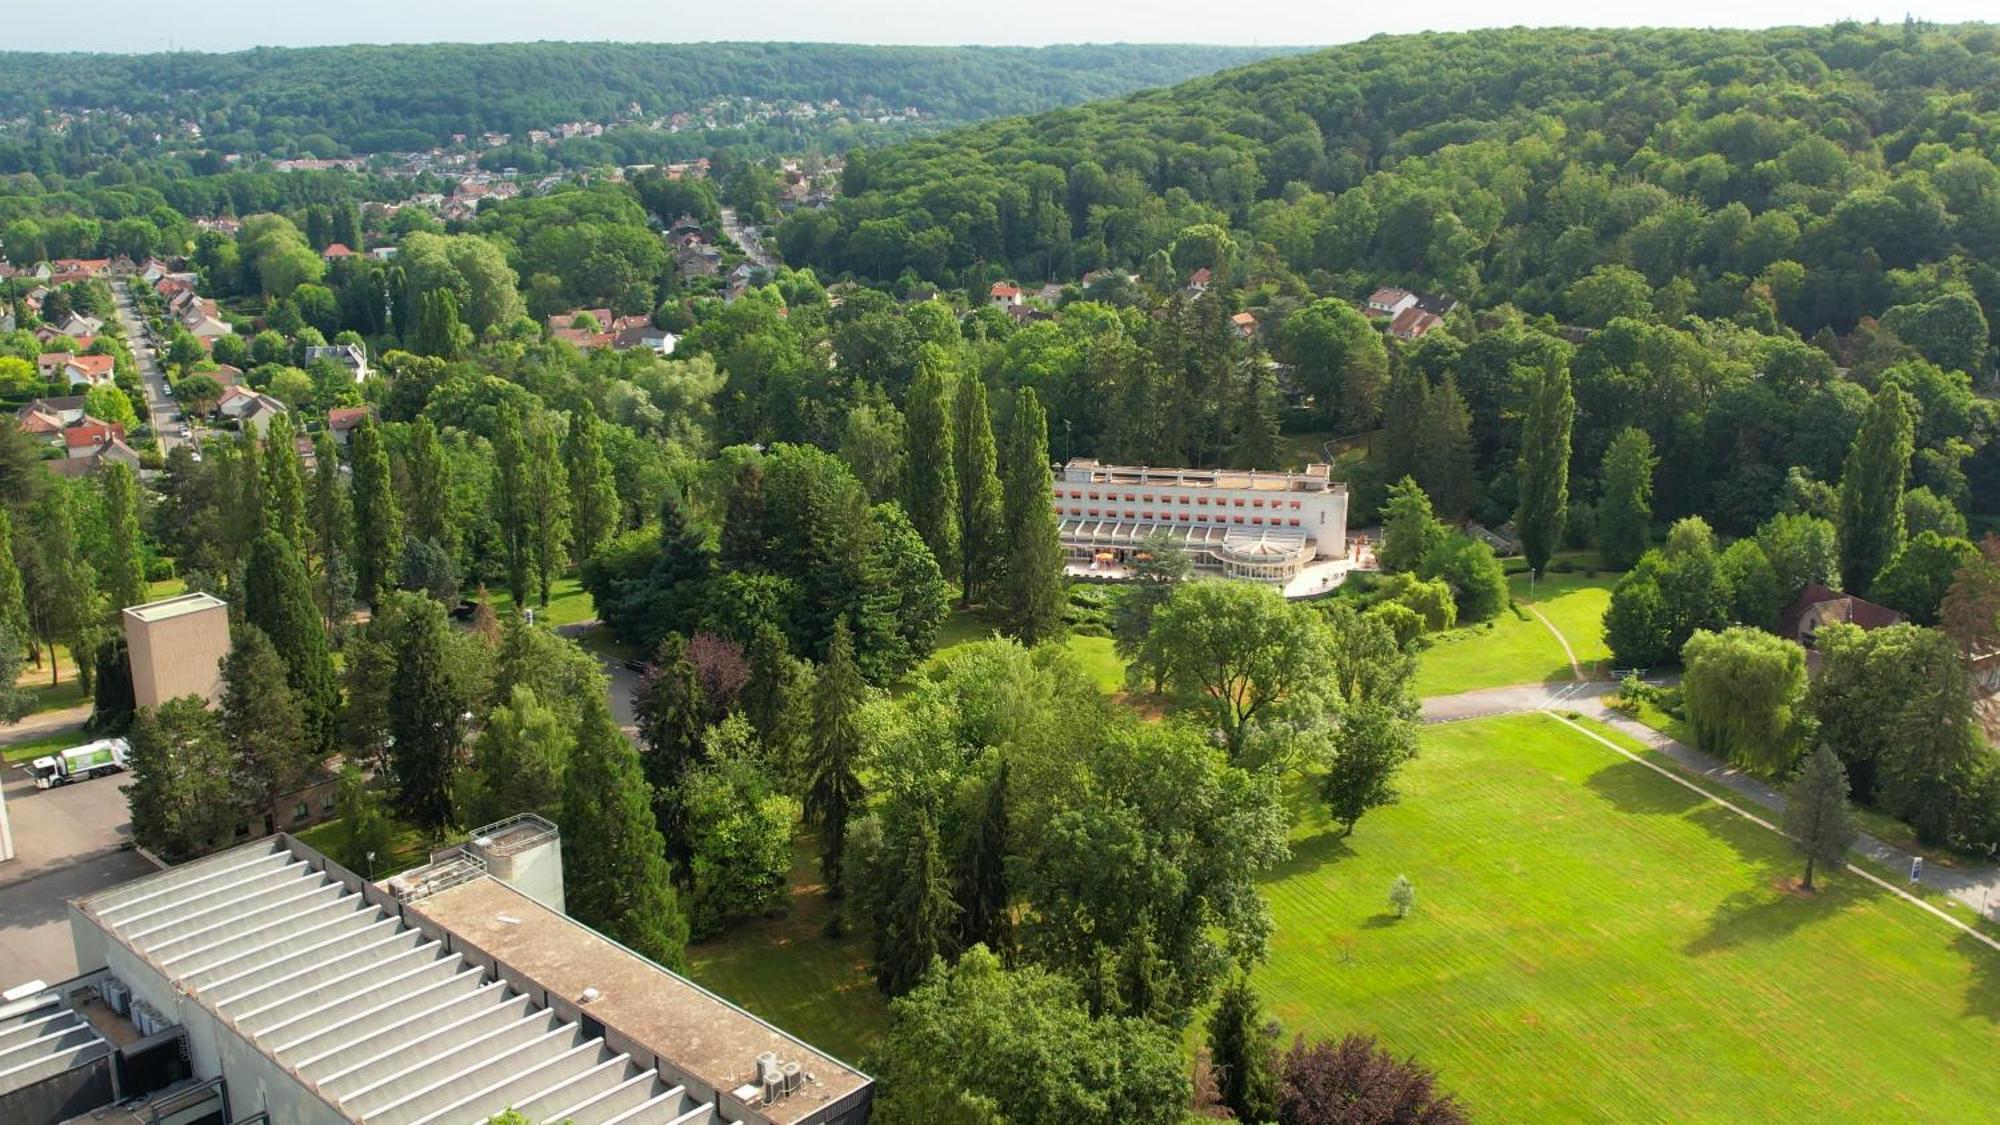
(1233, 523)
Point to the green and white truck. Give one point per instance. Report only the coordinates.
(81, 763)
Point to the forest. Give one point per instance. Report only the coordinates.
(335, 101)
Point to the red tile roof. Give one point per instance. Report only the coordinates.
(1002, 289)
(347, 417)
(1412, 323)
(337, 250)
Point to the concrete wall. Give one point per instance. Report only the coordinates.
(179, 655)
(60, 1097)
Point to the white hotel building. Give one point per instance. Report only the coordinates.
(1235, 523)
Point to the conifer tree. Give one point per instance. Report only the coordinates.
(1545, 437)
(548, 504)
(669, 708)
(1871, 488)
(1444, 454)
(981, 539)
(615, 874)
(424, 712)
(269, 747)
(833, 783)
(1243, 1053)
(775, 699)
(1816, 814)
(1402, 417)
(1625, 506)
(982, 875)
(13, 601)
(593, 491)
(284, 483)
(1032, 592)
(930, 492)
(332, 517)
(124, 575)
(278, 601)
(378, 524)
(743, 540)
(429, 504)
(181, 792)
(917, 926)
(517, 761)
(1254, 443)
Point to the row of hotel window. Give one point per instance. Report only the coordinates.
(1185, 517)
(1222, 502)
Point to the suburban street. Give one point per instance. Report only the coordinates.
(748, 239)
(160, 406)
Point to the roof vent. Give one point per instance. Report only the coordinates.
(589, 994)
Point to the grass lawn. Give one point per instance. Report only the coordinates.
(789, 972)
(68, 692)
(408, 848)
(30, 749)
(1592, 941)
(1094, 655)
(568, 604)
(1519, 649)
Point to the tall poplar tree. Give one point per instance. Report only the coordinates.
(1545, 435)
(124, 575)
(615, 873)
(429, 504)
(284, 483)
(983, 892)
(1032, 593)
(930, 474)
(547, 503)
(981, 538)
(833, 753)
(669, 709)
(917, 927)
(13, 601)
(593, 493)
(245, 521)
(511, 504)
(332, 517)
(1444, 457)
(278, 601)
(425, 713)
(378, 524)
(1625, 503)
(1871, 488)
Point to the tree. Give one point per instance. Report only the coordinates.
(985, 901)
(64, 606)
(513, 505)
(1920, 577)
(428, 570)
(1544, 468)
(615, 873)
(920, 921)
(429, 508)
(1032, 591)
(547, 504)
(930, 485)
(110, 404)
(1871, 488)
(1444, 454)
(378, 524)
(1372, 744)
(181, 793)
(284, 483)
(1409, 529)
(593, 492)
(1478, 582)
(1041, 1056)
(332, 516)
(1402, 896)
(13, 598)
(1970, 613)
(833, 747)
(1157, 568)
(1816, 814)
(364, 834)
(1255, 441)
(124, 574)
(1238, 654)
(1402, 418)
(743, 854)
(1625, 501)
(982, 535)
(439, 332)
(1802, 550)
(1340, 359)
(278, 601)
(672, 717)
(1743, 689)
(273, 753)
(518, 761)
(1242, 1048)
(424, 711)
(112, 703)
(1355, 1081)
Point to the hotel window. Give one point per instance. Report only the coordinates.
(1239, 519)
(1093, 496)
(1185, 500)
(1295, 505)
(1295, 523)
(1258, 520)
(1203, 501)
(1093, 512)
(1146, 496)
(301, 812)
(1239, 502)
(1256, 503)
(1079, 496)
(1131, 498)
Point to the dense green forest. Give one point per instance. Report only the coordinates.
(1809, 175)
(330, 101)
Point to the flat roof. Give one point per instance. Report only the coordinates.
(1315, 478)
(175, 607)
(682, 1023)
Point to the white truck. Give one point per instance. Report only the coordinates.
(81, 763)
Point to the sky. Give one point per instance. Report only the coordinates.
(223, 25)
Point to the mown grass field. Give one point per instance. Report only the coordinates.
(568, 604)
(1518, 648)
(1593, 942)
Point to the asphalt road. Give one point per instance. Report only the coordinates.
(159, 405)
(748, 239)
(69, 842)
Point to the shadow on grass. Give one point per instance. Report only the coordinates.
(1635, 789)
(1381, 921)
(1310, 854)
(1768, 912)
(1982, 999)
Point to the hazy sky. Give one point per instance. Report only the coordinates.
(152, 25)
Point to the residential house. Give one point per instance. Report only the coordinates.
(1199, 280)
(90, 435)
(1818, 606)
(80, 325)
(1412, 323)
(383, 253)
(351, 356)
(1003, 295)
(1050, 292)
(337, 252)
(202, 317)
(642, 334)
(1245, 325)
(112, 451)
(1387, 302)
(50, 364)
(88, 370)
(47, 417)
(341, 420)
(250, 410)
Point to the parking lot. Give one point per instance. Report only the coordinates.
(69, 842)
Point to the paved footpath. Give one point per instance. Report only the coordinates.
(1974, 884)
